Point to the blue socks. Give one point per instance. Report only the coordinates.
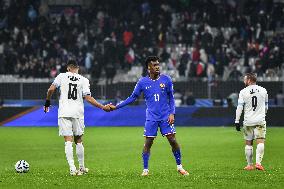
(145, 157)
(177, 155)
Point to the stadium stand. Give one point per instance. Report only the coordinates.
(219, 39)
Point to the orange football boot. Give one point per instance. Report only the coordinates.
(183, 172)
(249, 167)
(259, 167)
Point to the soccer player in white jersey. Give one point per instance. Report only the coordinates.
(254, 100)
(74, 88)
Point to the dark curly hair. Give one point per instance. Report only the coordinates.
(150, 59)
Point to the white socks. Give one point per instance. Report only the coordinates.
(80, 154)
(259, 153)
(69, 155)
(179, 167)
(249, 154)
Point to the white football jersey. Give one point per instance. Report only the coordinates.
(73, 87)
(254, 98)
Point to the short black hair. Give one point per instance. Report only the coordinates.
(72, 63)
(150, 59)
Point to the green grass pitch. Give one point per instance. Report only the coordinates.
(213, 156)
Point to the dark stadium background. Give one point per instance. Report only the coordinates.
(205, 46)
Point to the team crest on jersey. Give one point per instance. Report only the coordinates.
(162, 85)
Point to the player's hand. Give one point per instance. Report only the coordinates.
(109, 107)
(106, 108)
(238, 126)
(46, 106)
(171, 119)
(112, 107)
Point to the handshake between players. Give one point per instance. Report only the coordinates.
(109, 107)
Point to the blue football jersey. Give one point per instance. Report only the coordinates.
(158, 94)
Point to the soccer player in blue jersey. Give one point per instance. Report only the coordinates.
(159, 95)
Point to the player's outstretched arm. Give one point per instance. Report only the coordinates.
(135, 94)
(95, 103)
(129, 100)
(50, 91)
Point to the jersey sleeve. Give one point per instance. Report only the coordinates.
(171, 96)
(240, 107)
(57, 81)
(135, 94)
(86, 87)
(241, 100)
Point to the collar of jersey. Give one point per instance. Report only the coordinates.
(71, 72)
(154, 79)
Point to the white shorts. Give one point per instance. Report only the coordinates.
(254, 132)
(71, 126)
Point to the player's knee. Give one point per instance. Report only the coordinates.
(249, 142)
(260, 140)
(171, 138)
(78, 139)
(148, 142)
(76, 142)
(68, 138)
(173, 142)
(150, 139)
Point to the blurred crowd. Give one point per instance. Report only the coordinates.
(194, 38)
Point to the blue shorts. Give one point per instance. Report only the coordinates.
(151, 128)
